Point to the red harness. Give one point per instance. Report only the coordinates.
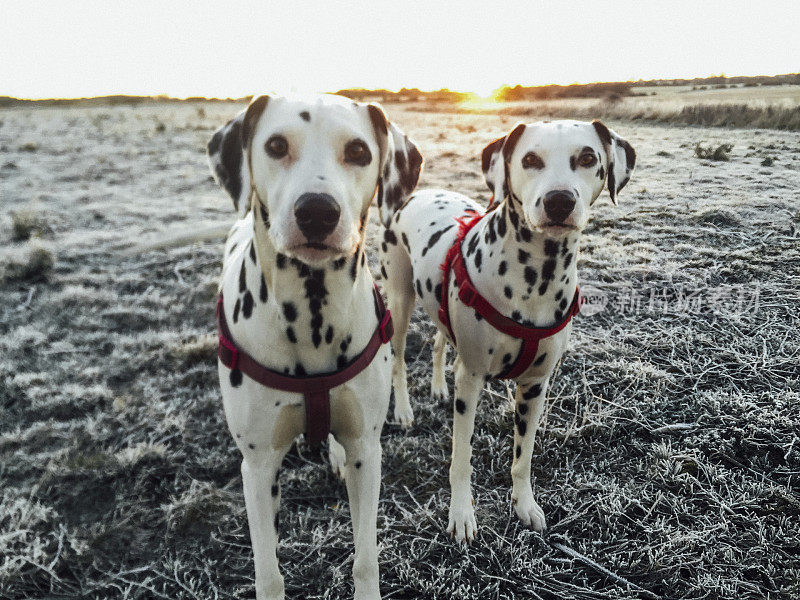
(467, 293)
(315, 388)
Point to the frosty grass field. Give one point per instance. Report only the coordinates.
(667, 464)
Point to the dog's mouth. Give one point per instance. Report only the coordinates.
(559, 226)
(315, 252)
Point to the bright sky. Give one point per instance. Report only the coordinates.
(68, 48)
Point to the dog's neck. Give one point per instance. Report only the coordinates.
(538, 272)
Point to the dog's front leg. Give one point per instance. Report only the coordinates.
(461, 521)
(262, 499)
(363, 481)
(529, 406)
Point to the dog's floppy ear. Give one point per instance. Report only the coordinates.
(621, 159)
(400, 164)
(227, 154)
(494, 162)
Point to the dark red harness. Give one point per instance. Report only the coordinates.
(315, 388)
(467, 293)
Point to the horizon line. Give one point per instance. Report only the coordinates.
(167, 96)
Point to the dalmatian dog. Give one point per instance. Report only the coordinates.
(298, 297)
(521, 257)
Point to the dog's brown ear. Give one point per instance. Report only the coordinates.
(621, 159)
(494, 161)
(227, 154)
(400, 164)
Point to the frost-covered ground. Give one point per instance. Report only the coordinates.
(669, 455)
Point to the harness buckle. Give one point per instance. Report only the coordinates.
(386, 327)
(467, 293)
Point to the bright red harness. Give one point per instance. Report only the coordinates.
(315, 388)
(467, 293)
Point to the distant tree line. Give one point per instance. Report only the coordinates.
(609, 91)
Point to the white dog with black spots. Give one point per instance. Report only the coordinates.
(522, 257)
(298, 297)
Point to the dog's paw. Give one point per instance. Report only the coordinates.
(462, 525)
(529, 512)
(439, 391)
(403, 414)
(337, 457)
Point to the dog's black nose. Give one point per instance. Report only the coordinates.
(558, 204)
(317, 215)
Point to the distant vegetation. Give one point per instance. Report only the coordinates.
(625, 100)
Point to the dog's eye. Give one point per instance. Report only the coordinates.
(587, 160)
(532, 161)
(277, 146)
(357, 152)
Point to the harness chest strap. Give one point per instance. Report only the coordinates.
(470, 296)
(315, 388)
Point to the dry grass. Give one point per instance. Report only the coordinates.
(669, 460)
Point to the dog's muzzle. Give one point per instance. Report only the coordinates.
(317, 215)
(558, 205)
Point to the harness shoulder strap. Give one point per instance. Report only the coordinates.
(315, 388)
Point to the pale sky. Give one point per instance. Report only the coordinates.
(70, 48)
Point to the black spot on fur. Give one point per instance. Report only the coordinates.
(252, 251)
(262, 290)
(274, 490)
(501, 270)
(532, 392)
(540, 359)
(478, 259)
(550, 247)
(530, 275)
(518, 451)
(461, 407)
(522, 427)
(506, 358)
(548, 268)
(567, 260)
(235, 377)
(389, 237)
(428, 285)
(280, 261)
(290, 335)
(358, 464)
(508, 292)
(289, 311)
(242, 278)
(305, 116)
(236, 308)
(329, 335)
(522, 256)
(299, 370)
(419, 289)
(438, 290)
(523, 409)
(432, 240)
(247, 305)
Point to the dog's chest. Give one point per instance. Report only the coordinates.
(293, 323)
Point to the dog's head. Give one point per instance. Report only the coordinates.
(311, 169)
(553, 172)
